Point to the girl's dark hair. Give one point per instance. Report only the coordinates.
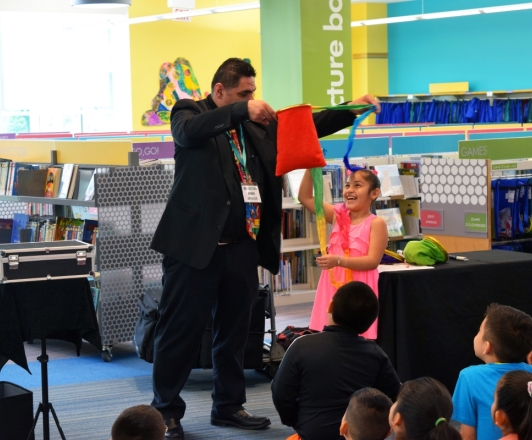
(514, 399)
(370, 177)
(421, 403)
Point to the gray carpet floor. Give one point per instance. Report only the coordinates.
(87, 411)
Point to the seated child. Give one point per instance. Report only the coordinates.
(141, 422)
(320, 372)
(503, 342)
(423, 411)
(367, 416)
(512, 405)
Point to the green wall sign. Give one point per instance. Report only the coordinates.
(326, 51)
(496, 149)
(306, 52)
(476, 222)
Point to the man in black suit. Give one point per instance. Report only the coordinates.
(210, 254)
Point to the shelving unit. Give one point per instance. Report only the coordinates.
(510, 94)
(48, 201)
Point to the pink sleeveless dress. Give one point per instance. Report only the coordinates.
(358, 238)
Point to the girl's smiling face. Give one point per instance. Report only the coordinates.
(358, 194)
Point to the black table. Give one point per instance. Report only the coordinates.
(428, 318)
(56, 309)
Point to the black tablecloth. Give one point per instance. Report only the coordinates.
(428, 318)
(58, 309)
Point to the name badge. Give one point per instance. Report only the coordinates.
(251, 193)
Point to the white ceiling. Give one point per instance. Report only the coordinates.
(62, 6)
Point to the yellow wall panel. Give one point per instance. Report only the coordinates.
(205, 42)
(23, 150)
(112, 152)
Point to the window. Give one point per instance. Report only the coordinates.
(63, 73)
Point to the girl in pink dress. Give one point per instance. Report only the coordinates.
(356, 244)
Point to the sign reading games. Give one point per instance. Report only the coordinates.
(496, 149)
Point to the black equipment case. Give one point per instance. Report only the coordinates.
(48, 260)
(143, 336)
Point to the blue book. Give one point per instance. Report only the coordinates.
(19, 222)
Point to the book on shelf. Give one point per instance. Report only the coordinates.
(90, 231)
(410, 214)
(68, 229)
(17, 168)
(66, 178)
(19, 222)
(53, 181)
(6, 229)
(73, 182)
(390, 181)
(394, 222)
(89, 193)
(32, 183)
(83, 180)
(335, 173)
(294, 182)
(411, 167)
(9, 179)
(4, 171)
(410, 185)
(327, 189)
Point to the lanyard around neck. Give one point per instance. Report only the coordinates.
(240, 151)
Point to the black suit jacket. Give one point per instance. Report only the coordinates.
(200, 199)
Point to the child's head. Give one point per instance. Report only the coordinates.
(367, 416)
(362, 186)
(354, 306)
(141, 422)
(512, 404)
(505, 335)
(423, 411)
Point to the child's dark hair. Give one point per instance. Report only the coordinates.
(230, 72)
(426, 408)
(367, 414)
(370, 177)
(509, 331)
(514, 398)
(355, 306)
(141, 422)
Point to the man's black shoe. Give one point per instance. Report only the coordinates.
(174, 429)
(241, 419)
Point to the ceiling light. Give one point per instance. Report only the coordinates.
(234, 8)
(100, 4)
(449, 14)
(194, 13)
(507, 8)
(446, 14)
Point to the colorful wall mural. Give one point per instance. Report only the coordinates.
(176, 81)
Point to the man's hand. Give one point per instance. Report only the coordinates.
(366, 99)
(261, 112)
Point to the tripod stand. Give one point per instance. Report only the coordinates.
(45, 406)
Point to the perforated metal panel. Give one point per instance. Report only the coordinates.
(8, 209)
(130, 203)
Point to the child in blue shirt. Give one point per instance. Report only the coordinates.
(503, 343)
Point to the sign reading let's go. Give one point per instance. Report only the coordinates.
(495, 149)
